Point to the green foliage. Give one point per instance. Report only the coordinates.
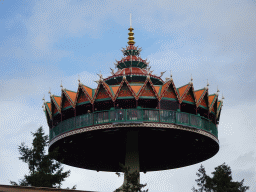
(132, 181)
(220, 182)
(44, 170)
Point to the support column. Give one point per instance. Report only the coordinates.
(132, 154)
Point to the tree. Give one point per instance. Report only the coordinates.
(132, 181)
(44, 170)
(220, 182)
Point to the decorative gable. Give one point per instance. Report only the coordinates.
(82, 97)
(101, 93)
(147, 91)
(136, 88)
(189, 97)
(199, 94)
(204, 102)
(169, 93)
(125, 91)
(66, 103)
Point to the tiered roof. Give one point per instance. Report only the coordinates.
(129, 66)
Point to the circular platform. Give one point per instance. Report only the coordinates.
(162, 146)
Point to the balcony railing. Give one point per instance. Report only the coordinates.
(134, 115)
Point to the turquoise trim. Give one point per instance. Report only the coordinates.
(129, 97)
(106, 99)
(160, 90)
(83, 103)
(203, 107)
(67, 108)
(188, 102)
(56, 114)
(170, 99)
(133, 115)
(147, 97)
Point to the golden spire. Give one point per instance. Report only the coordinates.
(131, 38)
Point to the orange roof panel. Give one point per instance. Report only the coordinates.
(115, 89)
(136, 88)
(198, 94)
(183, 89)
(49, 106)
(72, 95)
(210, 99)
(58, 100)
(189, 98)
(88, 90)
(157, 88)
(163, 87)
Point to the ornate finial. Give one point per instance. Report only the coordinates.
(112, 71)
(131, 38)
(78, 79)
(50, 92)
(207, 85)
(171, 74)
(130, 20)
(44, 102)
(191, 80)
(124, 77)
(61, 85)
(96, 82)
(222, 97)
(100, 75)
(44, 99)
(162, 73)
(167, 78)
(217, 93)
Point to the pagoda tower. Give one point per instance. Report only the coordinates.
(135, 118)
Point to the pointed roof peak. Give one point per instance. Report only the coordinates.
(131, 38)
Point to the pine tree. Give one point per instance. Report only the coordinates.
(132, 181)
(220, 182)
(44, 171)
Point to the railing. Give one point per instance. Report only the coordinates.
(134, 115)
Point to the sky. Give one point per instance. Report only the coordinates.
(45, 42)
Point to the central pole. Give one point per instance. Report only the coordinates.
(132, 154)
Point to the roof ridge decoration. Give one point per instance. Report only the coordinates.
(120, 87)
